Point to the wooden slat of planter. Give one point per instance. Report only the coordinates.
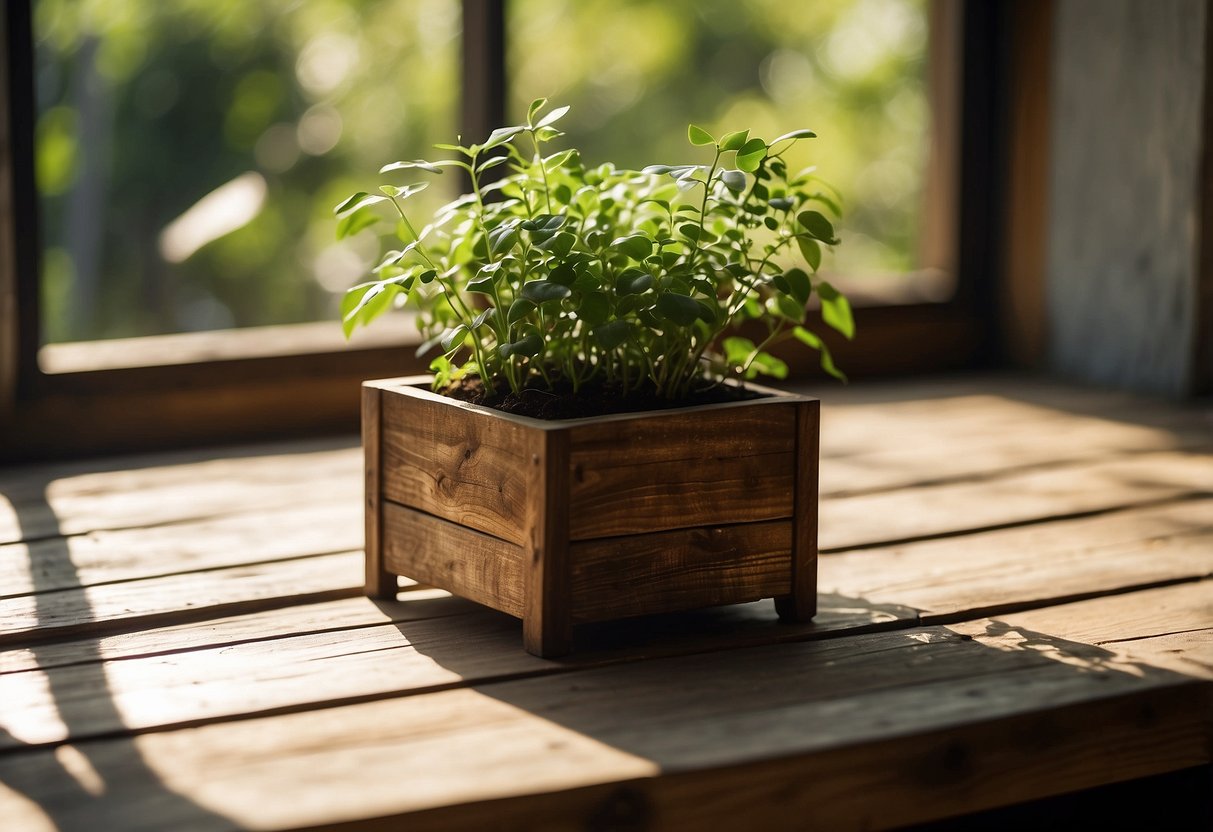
(868, 731)
(681, 569)
(488, 571)
(479, 481)
(632, 499)
(734, 432)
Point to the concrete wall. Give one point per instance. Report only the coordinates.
(1128, 79)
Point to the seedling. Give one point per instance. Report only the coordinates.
(563, 274)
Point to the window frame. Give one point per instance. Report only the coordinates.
(203, 397)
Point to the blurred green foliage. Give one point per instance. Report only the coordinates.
(147, 106)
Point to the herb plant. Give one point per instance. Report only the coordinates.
(559, 275)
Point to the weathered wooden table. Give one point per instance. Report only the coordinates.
(1015, 603)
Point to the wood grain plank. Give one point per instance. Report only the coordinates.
(313, 656)
(681, 569)
(105, 556)
(457, 464)
(488, 570)
(1021, 497)
(100, 609)
(965, 722)
(136, 491)
(1121, 621)
(753, 431)
(264, 626)
(633, 499)
(1034, 565)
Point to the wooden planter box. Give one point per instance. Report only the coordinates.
(564, 522)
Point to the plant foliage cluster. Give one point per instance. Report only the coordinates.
(561, 274)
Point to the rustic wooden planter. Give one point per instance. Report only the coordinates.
(564, 522)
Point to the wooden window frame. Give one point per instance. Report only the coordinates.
(200, 391)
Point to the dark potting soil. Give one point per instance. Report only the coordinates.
(593, 399)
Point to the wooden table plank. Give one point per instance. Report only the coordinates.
(1032, 565)
(85, 696)
(176, 598)
(952, 508)
(98, 557)
(943, 712)
(131, 492)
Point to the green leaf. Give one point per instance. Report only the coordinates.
(453, 339)
(611, 335)
(800, 287)
(557, 160)
(796, 134)
(594, 308)
(790, 308)
(734, 141)
(751, 154)
(690, 230)
(501, 135)
(781, 203)
(770, 222)
(482, 285)
(484, 315)
(836, 310)
(768, 364)
(535, 107)
(827, 361)
(633, 282)
(816, 224)
(699, 136)
(810, 249)
(680, 309)
(357, 202)
(560, 244)
(734, 180)
(503, 237)
(737, 350)
(419, 164)
(543, 223)
(543, 291)
(519, 309)
(554, 116)
(529, 346)
(351, 224)
(635, 246)
(491, 162)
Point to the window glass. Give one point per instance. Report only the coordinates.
(636, 72)
(188, 151)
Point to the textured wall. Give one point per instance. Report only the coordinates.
(1121, 267)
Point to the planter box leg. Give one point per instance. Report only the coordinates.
(801, 604)
(379, 582)
(547, 621)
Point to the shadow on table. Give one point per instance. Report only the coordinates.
(85, 785)
(751, 721)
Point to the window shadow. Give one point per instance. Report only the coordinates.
(82, 785)
(775, 694)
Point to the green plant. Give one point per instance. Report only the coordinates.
(560, 274)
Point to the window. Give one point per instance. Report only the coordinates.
(177, 218)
